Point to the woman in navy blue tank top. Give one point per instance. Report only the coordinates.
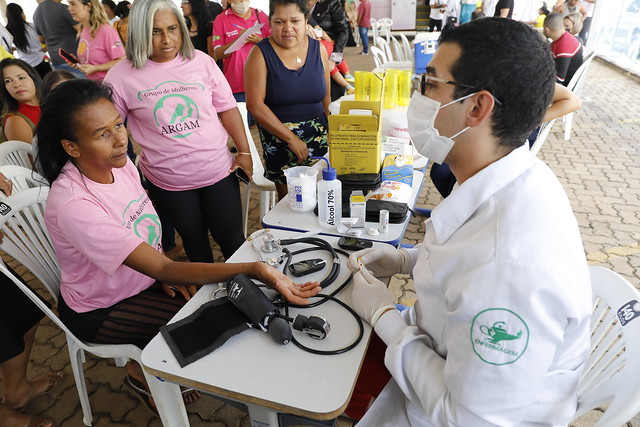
(287, 89)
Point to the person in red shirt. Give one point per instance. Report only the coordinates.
(364, 23)
(20, 97)
(565, 47)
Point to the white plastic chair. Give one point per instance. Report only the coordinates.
(383, 45)
(267, 188)
(374, 29)
(384, 27)
(398, 51)
(575, 85)
(379, 58)
(612, 371)
(406, 46)
(22, 178)
(26, 239)
(15, 153)
(542, 137)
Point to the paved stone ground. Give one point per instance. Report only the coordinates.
(599, 167)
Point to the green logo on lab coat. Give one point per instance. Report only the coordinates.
(499, 336)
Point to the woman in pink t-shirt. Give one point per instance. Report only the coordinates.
(99, 46)
(227, 27)
(106, 233)
(180, 110)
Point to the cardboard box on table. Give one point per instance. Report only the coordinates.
(354, 140)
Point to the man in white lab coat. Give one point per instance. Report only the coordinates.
(500, 329)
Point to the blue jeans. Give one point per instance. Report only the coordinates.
(79, 74)
(240, 97)
(364, 36)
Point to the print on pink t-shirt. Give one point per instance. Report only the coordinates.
(226, 28)
(104, 47)
(94, 227)
(172, 110)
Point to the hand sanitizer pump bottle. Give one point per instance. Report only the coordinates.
(329, 198)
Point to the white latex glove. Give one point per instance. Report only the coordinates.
(370, 297)
(381, 262)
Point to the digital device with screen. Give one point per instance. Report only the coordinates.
(354, 244)
(307, 266)
(67, 56)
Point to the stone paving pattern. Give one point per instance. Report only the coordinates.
(599, 168)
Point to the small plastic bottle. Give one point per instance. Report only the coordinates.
(329, 198)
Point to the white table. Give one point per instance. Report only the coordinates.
(250, 367)
(282, 217)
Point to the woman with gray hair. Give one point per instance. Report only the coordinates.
(179, 109)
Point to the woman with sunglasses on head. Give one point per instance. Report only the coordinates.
(196, 14)
(180, 109)
(20, 96)
(26, 40)
(106, 233)
(99, 47)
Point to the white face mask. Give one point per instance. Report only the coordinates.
(240, 8)
(421, 116)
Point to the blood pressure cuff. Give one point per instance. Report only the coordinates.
(204, 330)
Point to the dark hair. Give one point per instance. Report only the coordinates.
(58, 121)
(544, 9)
(514, 63)
(200, 11)
(110, 4)
(302, 5)
(122, 9)
(52, 79)
(9, 103)
(17, 26)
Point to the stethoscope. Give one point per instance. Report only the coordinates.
(268, 245)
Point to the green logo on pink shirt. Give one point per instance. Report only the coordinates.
(175, 113)
(144, 225)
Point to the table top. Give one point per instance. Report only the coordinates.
(252, 368)
(282, 217)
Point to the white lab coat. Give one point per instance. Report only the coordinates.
(500, 329)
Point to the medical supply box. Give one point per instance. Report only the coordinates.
(354, 137)
(424, 47)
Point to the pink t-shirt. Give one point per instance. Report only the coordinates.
(172, 110)
(226, 28)
(93, 228)
(104, 47)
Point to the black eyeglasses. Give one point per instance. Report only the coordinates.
(425, 77)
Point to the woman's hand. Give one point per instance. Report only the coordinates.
(186, 291)
(243, 162)
(5, 185)
(87, 68)
(294, 293)
(300, 149)
(254, 38)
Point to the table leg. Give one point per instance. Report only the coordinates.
(168, 401)
(262, 417)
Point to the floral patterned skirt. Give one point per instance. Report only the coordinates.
(276, 153)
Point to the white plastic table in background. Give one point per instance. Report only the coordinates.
(282, 217)
(250, 367)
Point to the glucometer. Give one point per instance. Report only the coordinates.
(308, 266)
(354, 244)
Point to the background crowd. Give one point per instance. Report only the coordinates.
(172, 82)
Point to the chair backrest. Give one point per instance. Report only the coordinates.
(22, 178)
(378, 56)
(374, 28)
(398, 51)
(25, 236)
(15, 153)
(577, 81)
(612, 370)
(258, 168)
(384, 27)
(543, 133)
(406, 46)
(384, 46)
